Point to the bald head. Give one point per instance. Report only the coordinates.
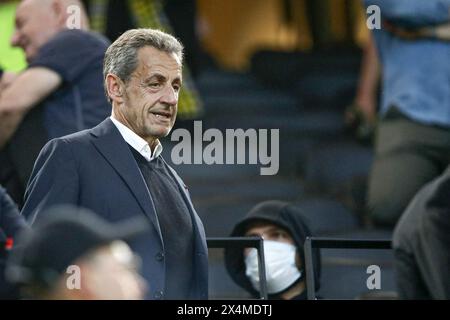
(34, 4)
(46, 3)
(66, 9)
(37, 21)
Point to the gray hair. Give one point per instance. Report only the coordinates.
(121, 58)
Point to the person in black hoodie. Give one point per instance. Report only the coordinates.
(284, 229)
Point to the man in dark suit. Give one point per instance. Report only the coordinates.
(116, 169)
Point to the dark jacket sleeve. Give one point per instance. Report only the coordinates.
(10, 219)
(54, 180)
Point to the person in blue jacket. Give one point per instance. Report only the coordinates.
(413, 138)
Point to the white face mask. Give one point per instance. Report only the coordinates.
(281, 270)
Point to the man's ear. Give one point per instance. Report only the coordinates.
(58, 10)
(115, 88)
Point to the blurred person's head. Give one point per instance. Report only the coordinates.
(37, 21)
(72, 254)
(143, 76)
(284, 230)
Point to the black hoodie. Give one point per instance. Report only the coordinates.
(279, 213)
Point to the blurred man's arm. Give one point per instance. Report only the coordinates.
(417, 13)
(26, 91)
(366, 95)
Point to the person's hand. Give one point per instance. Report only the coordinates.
(361, 118)
(438, 32)
(363, 109)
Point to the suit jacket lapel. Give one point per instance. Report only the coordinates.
(115, 150)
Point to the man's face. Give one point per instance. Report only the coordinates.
(149, 106)
(269, 231)
(36, 23)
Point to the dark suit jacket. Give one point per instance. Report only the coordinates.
(95, 169)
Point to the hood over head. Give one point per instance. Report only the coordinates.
(279, 213)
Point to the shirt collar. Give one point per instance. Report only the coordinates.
(136, 142)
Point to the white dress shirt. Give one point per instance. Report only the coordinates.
(136, 142)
